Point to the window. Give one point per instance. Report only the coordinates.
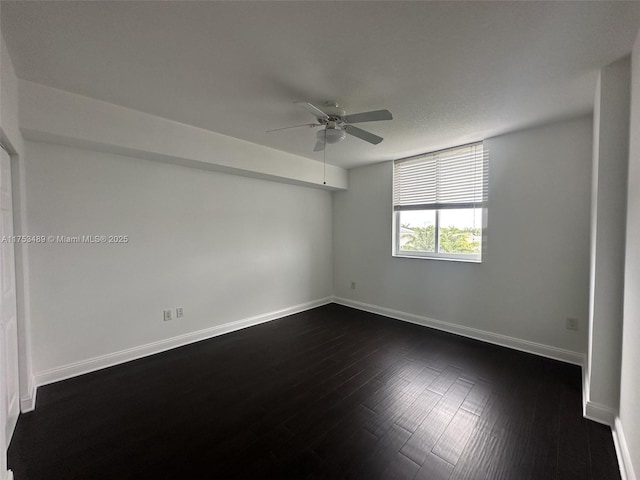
(439, 200)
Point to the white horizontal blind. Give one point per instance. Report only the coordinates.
(453, 178)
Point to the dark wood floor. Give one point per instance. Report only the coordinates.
(331, 393)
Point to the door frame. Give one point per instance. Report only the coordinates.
(26, 381)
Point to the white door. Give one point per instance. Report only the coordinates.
(9, 404)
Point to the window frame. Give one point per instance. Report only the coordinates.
(437, 208)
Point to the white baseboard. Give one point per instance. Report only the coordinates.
(593, 410)
(600, 413)
(585, 386)
(122, 356)
(489, 337)
(622, 451)
(28, 403)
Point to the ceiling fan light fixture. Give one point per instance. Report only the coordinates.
(331, 135)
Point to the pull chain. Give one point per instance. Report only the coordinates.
(324, 161)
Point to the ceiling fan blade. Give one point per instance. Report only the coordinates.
(313, 110)
(363, 134)
(373, 116)
(319, 146)
(295, 126)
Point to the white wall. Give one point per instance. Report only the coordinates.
(535, 267)
(629, 421)
(9, 100)
(608, 217)
(223, 247)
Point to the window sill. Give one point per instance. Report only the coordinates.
(446, 259)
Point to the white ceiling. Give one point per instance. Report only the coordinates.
(450, 72)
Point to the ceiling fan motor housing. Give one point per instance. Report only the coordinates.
(333, 111)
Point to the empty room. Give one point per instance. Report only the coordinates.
(369, 240)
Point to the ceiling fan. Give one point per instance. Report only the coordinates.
(337, 124)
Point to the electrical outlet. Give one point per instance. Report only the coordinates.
(572, 323)
(353, 285)
(179, 312)
(167, 315)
